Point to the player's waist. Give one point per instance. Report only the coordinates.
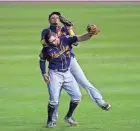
(60, 70)
(59, 65)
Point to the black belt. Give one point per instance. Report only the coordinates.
(62, 70)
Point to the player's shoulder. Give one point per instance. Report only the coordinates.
(45, 30)
(63, 38)
(66, 37)
(47, 49)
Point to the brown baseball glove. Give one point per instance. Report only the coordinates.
(92, 30)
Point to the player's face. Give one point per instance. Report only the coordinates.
(54, 19)
(54, 40)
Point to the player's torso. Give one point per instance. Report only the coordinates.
(60, 31)
(60, 56)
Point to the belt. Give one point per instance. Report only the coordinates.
(62, 70)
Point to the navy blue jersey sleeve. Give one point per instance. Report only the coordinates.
(42, 66)
(43, 33)
(44, 55)
(42, 61)
(70, 39)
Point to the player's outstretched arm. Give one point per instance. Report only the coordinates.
(83, 37)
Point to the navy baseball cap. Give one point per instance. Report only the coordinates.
(56, 13)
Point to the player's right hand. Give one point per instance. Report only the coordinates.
(46, 78)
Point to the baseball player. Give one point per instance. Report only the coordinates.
(57, 53)
(75, 69)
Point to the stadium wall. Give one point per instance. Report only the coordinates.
(70, 0)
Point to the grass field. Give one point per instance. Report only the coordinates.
(110, 60)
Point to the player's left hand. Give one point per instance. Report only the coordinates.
(92, 30)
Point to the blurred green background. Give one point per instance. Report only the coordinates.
(111, 61)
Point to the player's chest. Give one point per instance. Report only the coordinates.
(61, 51)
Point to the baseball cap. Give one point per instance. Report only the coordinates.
(57, 13)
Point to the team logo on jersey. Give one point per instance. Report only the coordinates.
(63, 49)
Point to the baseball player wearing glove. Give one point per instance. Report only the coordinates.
(54, 19)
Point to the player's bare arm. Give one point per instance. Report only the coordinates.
(83, 37)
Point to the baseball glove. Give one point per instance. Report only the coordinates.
(92, 30)
(65, 21)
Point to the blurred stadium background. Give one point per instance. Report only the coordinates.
(110, 60)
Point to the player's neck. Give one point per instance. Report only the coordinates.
(54, 24)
